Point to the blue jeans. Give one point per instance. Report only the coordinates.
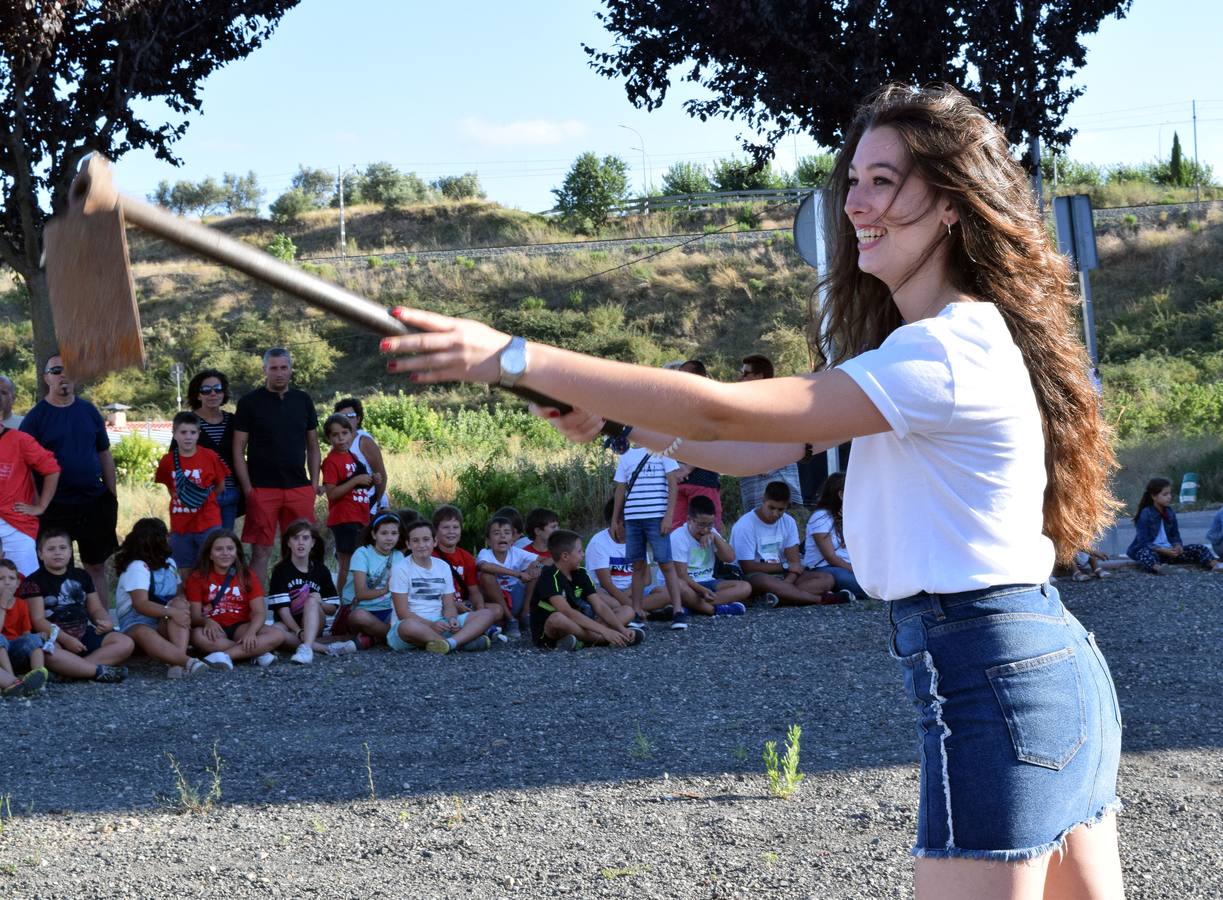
(843, 579)
(228, 501)
(640, 532)
(1017, 721)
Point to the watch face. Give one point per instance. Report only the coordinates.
(513, 358)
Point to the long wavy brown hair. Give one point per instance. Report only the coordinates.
(1001, 252)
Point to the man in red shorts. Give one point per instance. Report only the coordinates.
(275, 442)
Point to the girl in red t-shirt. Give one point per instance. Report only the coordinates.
(228, 611)
(350, 487)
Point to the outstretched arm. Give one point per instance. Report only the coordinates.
(824, 407)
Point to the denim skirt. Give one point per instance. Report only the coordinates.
(1018, 727)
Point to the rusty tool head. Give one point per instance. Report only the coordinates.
(89, 276)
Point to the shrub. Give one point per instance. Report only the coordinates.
(590, 190)
(737, 175)
(460, 187)
(290, 206)
(529, 303)
(319, 185)
(686, 178)
(136, 458)
(813, 171)
(282, 247)
(385, 185)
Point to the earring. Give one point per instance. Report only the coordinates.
(948, 229)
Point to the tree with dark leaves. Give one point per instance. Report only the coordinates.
(76, 76)
(785, 66)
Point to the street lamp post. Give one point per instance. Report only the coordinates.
(340, 179)
(645, 186)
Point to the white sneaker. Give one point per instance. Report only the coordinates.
(219, 660)
(303, 654)
(264, 660)
(343, 648)
(195, 666)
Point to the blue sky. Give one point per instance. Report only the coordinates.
(504, 89)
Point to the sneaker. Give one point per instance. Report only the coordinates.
(846, 595)
(475, 646)
(439, 646)
(343, 648)
(110, 674)
(195, 666)
(770, 600)
(658, 615)
(219, 660)
(513, 630)
(1103, 573)
(679, 620)
(636, 625)
(730, 609)
(364, 641)
(174, 673)
(496, 634)
(570, 642)
(638, 637)
(1081, 576)
(35, 682)
(303, 655)
(263, 660)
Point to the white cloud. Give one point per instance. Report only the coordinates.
(532, 132)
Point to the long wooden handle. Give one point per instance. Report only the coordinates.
(263, 267)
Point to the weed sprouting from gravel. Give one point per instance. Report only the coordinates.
(455, 819)
(319, 826)
(191, 798)
(369, 773)
(642, 748)
(784, 777)
(625, 872)
(6, 812)
(739, 753)
(770, 858)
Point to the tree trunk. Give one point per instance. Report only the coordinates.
(45, 345)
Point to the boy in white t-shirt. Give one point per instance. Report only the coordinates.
(766, 542)
(643, 518)
(508, 572)
(607, 562)
(425, 612)
(696, 547)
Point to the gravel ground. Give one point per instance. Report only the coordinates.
(596, 774)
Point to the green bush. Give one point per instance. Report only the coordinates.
(590, 190)
(136, 458)
(290, 205)
(460, 187)
(398, 421)
(283, 248)
(686, 178)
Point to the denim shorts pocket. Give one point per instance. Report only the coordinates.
(1095, 648)
(1042, 701)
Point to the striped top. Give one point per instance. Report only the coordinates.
(648, 497)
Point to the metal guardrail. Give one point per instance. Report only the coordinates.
(648, 205)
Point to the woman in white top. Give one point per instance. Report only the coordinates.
(824, 547)
(965, 401)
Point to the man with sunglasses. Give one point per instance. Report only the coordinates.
(84, 504)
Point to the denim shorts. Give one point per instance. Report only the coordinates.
(640, 532)
(1018, 727)
(133, 618)
(19, 649)
(185, 546)
(395, 642)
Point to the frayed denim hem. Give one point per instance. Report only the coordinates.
(1022, 855)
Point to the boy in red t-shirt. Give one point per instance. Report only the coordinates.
(190, 518)
(228, 609)
(540, 524)
(448, 527)
(350, 488)
(20, 649)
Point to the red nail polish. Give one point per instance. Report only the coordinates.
(553, 414)
(414, 377)
(398, 311)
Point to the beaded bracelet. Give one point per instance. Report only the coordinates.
(674, 446)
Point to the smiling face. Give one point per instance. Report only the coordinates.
(386, 536)
(223, 553)
(211, 394)
(895, 214)
(420, 542)
(448, 533)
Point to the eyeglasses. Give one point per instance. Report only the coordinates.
(211, 389)
(349, 415)
(54, 370)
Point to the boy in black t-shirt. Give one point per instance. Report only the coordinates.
(80, 638)
(568, 611)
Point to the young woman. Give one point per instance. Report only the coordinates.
(964, 395)
(149, 600)
(824, 544)
(228, 610)
(207, 393)
(1157, 536)
(299, 590)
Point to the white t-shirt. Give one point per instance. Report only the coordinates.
(821, 523)
(756, 541)
(136, 578)
(604, 553)
(688, 550)
(515, 558)
(1161, 539)
(424, 586)
(951, 498)
(648, 498)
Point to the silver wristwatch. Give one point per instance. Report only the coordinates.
(513, 362)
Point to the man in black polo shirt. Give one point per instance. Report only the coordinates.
(275, 441)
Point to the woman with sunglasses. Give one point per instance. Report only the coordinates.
(207, 393)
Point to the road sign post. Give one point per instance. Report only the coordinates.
(1076, 238)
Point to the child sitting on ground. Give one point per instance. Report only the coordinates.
(646, 487)
(508, 572)
(1157, 537)
(696, 547)
(519, 539)
(367, 590)
(1087, 565)
(298, 589)
(194, 476)
(608, 564)
(540, 524)
(448, 530)
(149, 601)
(568, 612)
(766, 545)
(824, 542)
(350, 487)
(422, 590)
(228, 612)
(80, 640)
(20, 649)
